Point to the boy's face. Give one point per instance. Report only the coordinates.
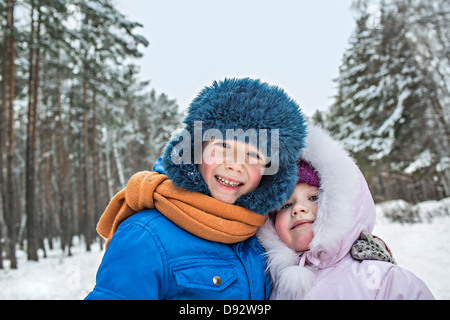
(295, 218)
(231, 168)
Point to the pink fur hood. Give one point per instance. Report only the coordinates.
(346, 208)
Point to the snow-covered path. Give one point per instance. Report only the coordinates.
(422, 248)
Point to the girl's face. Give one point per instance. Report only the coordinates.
(295, 218)
(231, 168)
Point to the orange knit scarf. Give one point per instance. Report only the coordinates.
(194, 212)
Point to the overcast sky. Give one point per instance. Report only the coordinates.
(295, 44)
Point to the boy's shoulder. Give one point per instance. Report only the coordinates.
(150, 220)
(143, 218)
(169, 237)
(165, 232)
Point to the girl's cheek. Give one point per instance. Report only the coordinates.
(281, 227)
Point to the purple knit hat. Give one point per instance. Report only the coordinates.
(305, 174)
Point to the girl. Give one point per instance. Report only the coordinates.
(309, 239)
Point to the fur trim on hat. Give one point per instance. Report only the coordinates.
(245, 104)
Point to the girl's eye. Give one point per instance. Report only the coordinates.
(225, 145)
(314, 198)
(253, 155)
(285, 206)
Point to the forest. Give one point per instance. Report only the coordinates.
(392, 109)
(76, 121)
(74, 116)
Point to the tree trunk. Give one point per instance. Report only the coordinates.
(96, 176)
(118, 161)
(86, 193)
(33, 87)
(70, 199)
(10, 193)
(3, 208)
(63, 211)
(87, 212)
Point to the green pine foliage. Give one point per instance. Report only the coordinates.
(392, 107)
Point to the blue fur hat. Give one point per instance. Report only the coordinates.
(244, 104)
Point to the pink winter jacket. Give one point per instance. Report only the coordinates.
(346, 208)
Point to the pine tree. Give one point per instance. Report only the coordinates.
(390, 109)
(8, 95)
(33, 96)
(3, 208)
(71, 108)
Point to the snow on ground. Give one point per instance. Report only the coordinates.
(56, 277)
(422, 248)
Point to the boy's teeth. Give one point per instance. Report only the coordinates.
(225, 182)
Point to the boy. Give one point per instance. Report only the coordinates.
(186, 230)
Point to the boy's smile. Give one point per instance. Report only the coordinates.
(231, 168)
(228, 183)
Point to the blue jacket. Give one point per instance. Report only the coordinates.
(149, 257)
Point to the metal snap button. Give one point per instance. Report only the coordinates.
(216, 280)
